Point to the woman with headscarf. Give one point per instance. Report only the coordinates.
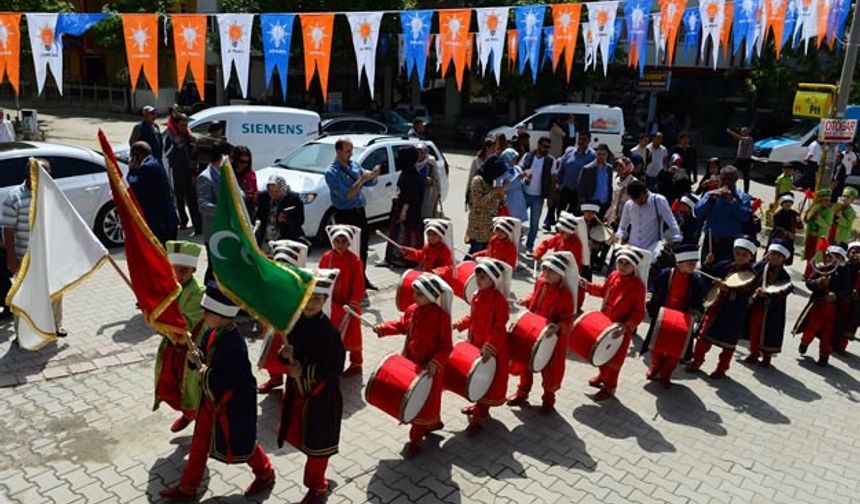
(429, 171)
(484, 200)
(623, 177)
(488, 148)
(406, 222)
(638, 162)
(515, 198)
(280, 213)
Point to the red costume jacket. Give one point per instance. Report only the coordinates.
(560, 244)
(433, 258)
(348, 290)
(553, 302)
(623, 299)
(428, 334)
(487, 324)
(502, 249)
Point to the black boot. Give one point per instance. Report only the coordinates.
(802, 349)
(822, 360)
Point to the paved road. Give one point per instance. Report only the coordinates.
(77, 425)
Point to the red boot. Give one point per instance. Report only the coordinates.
(180, 423)
(261, 484)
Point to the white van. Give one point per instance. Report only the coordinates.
(605, 123)
(270, 132)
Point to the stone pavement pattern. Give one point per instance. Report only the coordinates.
(77, 425)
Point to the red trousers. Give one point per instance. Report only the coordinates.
(610, 371)
(702, 348)
(551, 376)
(663, 365)
(819, 323)
(756, 315)
(199, 453)
(315, 467)
(355, 357)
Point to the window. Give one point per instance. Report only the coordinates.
(63, 167)
(376, 157)
(13, 171)
(543, 122)
(203, 128)
(368, 127)
(314, 157)
(400, 159)
(338, 126)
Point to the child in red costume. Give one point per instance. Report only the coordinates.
(554, 298)
(295, 254)
(487, 322)
(437, 255)
(623, 296)
(427, 326)
(818, 316)
(571, 237)
(348, 290)
(505, 241)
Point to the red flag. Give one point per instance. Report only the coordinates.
(756, 204)
(152, 278)
(809, 194)
(822, 245)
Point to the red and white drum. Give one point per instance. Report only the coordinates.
(269, 356)
(465, 284)
(595, 338)
(672, 332)
(405, 298)
(531, 341)
(398, 387)
(465, 373)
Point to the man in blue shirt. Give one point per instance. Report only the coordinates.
(726, 213)
(595, 181)
(571, 165)
(345, 179)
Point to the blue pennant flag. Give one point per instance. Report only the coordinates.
(277, 36)
(547, 44)
(416, 35)
(637, 14)
(529, 31)
(692, 29)
(69, 23)
(837, 19)
(619, 25)
(790, 25)
(744, 26)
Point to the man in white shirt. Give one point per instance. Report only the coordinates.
(813, 153)
(659, 155)
(7, 130)
(849, 158)
(643, 219)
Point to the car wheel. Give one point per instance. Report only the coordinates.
(108, 228)
(321, 238)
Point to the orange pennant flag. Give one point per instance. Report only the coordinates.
(671, 12)
(10, 45)
(729, 10)
(776, 22)
(824, 7)
(470, 50)
(565, 19)
(513, 48)
(454, 31)
(317, 31)
(189, 40)
(141, 48)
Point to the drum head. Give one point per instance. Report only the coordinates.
(600, 234)
(740, 278)
(416, 397)
(712, 296)
(607, 345)
(543, 348)
(480, 378)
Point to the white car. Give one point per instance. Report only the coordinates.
(304, 170)
(79, 172)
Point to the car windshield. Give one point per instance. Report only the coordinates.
(799, 129)
(392, 117)
(313, 157)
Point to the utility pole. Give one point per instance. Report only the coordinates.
(849, 63)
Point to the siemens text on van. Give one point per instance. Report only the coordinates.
(272, 129)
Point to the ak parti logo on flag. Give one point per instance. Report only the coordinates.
(493, 23)
(189, 36)
(141, 48)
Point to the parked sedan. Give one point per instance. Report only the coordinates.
(356, 125)
(81, 175)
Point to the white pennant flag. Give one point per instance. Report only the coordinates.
(365, 36)
(713, 15)
(235, 30)
(62, 251)
(761, 27)
(401, 52)
(807, 22)
(438, 46)
(659, 37)
(47, 48)
(492, 34)
(588, 39)
(601, 18)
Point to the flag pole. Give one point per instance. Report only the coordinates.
(120, 271)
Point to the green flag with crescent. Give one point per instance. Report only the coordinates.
(271, 292)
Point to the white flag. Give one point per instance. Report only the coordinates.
(492, 34)
(588, 39)
(401, 52)
(235, 32)
(713, 15)
(601, 18)
(761, 27)
(659, 37)
(438, 46)
(365, 36)
(807, 22)
(62, 251)
(47, 48)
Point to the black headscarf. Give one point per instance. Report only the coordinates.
(492, 169)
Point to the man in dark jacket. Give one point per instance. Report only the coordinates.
(177, 148)
(595, 180)
(280, 213)
(147, 131)
(204, 147)
(537, 166)
(148, 179)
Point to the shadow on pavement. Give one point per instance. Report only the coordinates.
(165, 471)
(131, 331)
(851, 360)
(27, 363)
(774, 378)
(267, 421)
(352, 390)
(835, 377)
(568, 450)
(742, 400)
(428, 475)
(611, 418)
(680, 405)
(490, 454)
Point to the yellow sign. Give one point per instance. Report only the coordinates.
(813, 104)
